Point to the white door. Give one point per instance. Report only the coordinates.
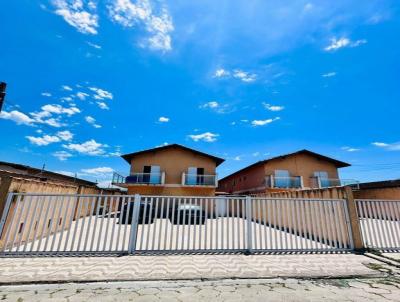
(155, 175)
(191, 177)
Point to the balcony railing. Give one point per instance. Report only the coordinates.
(140, 178)
(291, 182)
(199, 180)
(320, 182)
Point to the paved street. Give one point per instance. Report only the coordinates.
(178, 267)
(385, 289)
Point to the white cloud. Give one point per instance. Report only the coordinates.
(17, 117)
(99, 170)
(220, 73)
(103, 105)
(239, 74)
(90, 147)
(350, 149)
(256, 123)
(44, 140)
(212, 104)
(206, 137)
(66, 87)
(94, 45)
(91, 120)
(256, 154)
(58, 109)
(81, 95)
(388, 146)
(358, 43)
(49, 139)
(45, 116)
(217, 107)
(244, 76)
(48, 94)
(65, 135)
(329, 74)
(163, 119)
(158, 24)
(101, 94)
(66, 98)
(62, 155)
(273, 107)
(79, 14)
(237, 158)
(52, 122)
(343, 42)
(337, 43)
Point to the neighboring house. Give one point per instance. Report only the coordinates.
(170, 170)
(387, 189)
(28, 172)
(298, 170)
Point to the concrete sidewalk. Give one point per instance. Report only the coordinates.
(248, 290)
(179, 267)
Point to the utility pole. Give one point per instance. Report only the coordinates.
(2, 93)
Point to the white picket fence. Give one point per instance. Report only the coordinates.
(48, 224)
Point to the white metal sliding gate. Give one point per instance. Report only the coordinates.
(46, 224)
(380, 223)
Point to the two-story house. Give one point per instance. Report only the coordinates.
(298, 170)
(170, 170)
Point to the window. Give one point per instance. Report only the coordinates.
(200, 176)
(323, 178)
(151, 174)
(146, 174)
(282, 179)
(191, 176)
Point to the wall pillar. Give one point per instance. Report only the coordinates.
(354, 221)
(4, 189)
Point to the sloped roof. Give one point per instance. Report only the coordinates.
(35, 172)
(337, 163)
(129, 156)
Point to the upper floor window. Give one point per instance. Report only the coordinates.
(282, 179)
(151, 174)
(195, 176)
(323, 178)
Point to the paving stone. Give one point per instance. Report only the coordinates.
(181, 267)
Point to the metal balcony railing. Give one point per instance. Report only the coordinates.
(320, 182)
(199, 180)
(140, 178)
(291, 182)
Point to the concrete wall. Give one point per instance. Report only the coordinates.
(378, 193)
(171, 191)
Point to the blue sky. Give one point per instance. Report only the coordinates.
(244, 80)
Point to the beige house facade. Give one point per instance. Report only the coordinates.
(170, 170)
(303, 169)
